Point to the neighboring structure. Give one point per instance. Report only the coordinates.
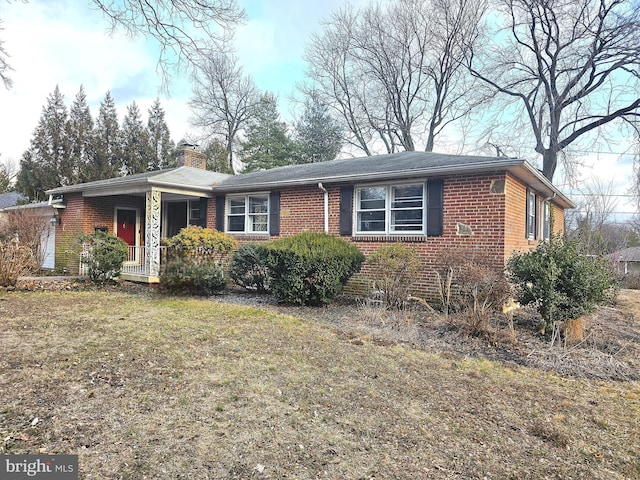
(437, 203)
(627, 261)
(35, 219)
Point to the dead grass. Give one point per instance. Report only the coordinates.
(150, 387)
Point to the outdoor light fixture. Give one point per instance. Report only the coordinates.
(55, 220)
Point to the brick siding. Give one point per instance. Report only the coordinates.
(494, 223)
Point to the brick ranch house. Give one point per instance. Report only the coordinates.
(434, 202)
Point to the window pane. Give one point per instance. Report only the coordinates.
(371, 221)
(258, 223)
(236, 206)
(407, 196)
(236, 223)
(372, 198)
(406, 220)
(258, 204)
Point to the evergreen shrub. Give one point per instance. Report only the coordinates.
(195, 259)
(247, 268)
(560, 281)
(310, 268)
(107, 255)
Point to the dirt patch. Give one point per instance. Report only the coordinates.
(610, 349)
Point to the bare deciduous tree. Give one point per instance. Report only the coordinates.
(567, 66)
(186, 31)
(5, 68)
(393, 73)
(224, 100)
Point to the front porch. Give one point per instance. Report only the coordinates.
(140, 209)
(137, 267)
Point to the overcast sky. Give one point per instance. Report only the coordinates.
(63, 42)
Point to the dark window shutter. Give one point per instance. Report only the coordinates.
(202, 221)
(435, 196)
(220, 201)
(346, 210)
(274, 213)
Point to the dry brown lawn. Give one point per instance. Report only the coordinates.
(142, 386)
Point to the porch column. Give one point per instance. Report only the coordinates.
(152, 233)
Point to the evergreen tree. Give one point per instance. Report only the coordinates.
(161, 146)
(108, 158)
(267, 143)
(46, 164)
(217, 157)
(5, 178)
(135, 142)
(318, 134)
(81, 138)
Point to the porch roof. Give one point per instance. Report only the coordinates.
(185, 180)
(393, 166)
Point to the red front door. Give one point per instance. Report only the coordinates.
(126, 226)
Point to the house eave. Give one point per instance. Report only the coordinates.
(517, 167)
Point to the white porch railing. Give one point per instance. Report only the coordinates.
(135, 263)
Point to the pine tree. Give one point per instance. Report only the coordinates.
(46, 164)
(267, 143)
(318, 134)
(81, 138)
(135, 142)
(108, 158)
(217, 157)
(161, 146)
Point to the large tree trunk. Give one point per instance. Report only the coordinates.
(549, 163)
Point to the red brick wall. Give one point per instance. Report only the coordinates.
(82, 216)
(495, 217)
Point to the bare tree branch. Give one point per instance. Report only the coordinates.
(223, 100)
(573, 66)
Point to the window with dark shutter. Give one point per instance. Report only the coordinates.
(435, 200)
(220, 200)
(274, 213)
(346, 210)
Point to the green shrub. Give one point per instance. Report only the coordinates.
(199, 242)
(107, 253)
(189, 276)
(310, 268)
(194, 260)
(562, 283)
(393, 269)
(248, 270)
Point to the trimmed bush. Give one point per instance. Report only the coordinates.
(189, 276)
(560, 281)
(248, 270)
(394, 269)
(107, 254)
(199, 242)
(310, 268)
(194, 262)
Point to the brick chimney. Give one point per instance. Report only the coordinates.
(190, 155)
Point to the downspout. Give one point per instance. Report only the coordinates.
(326, 207)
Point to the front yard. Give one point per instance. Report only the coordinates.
(142, 386)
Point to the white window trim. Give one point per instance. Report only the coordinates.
(532, 235)
(387, 218)
(247, 215)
